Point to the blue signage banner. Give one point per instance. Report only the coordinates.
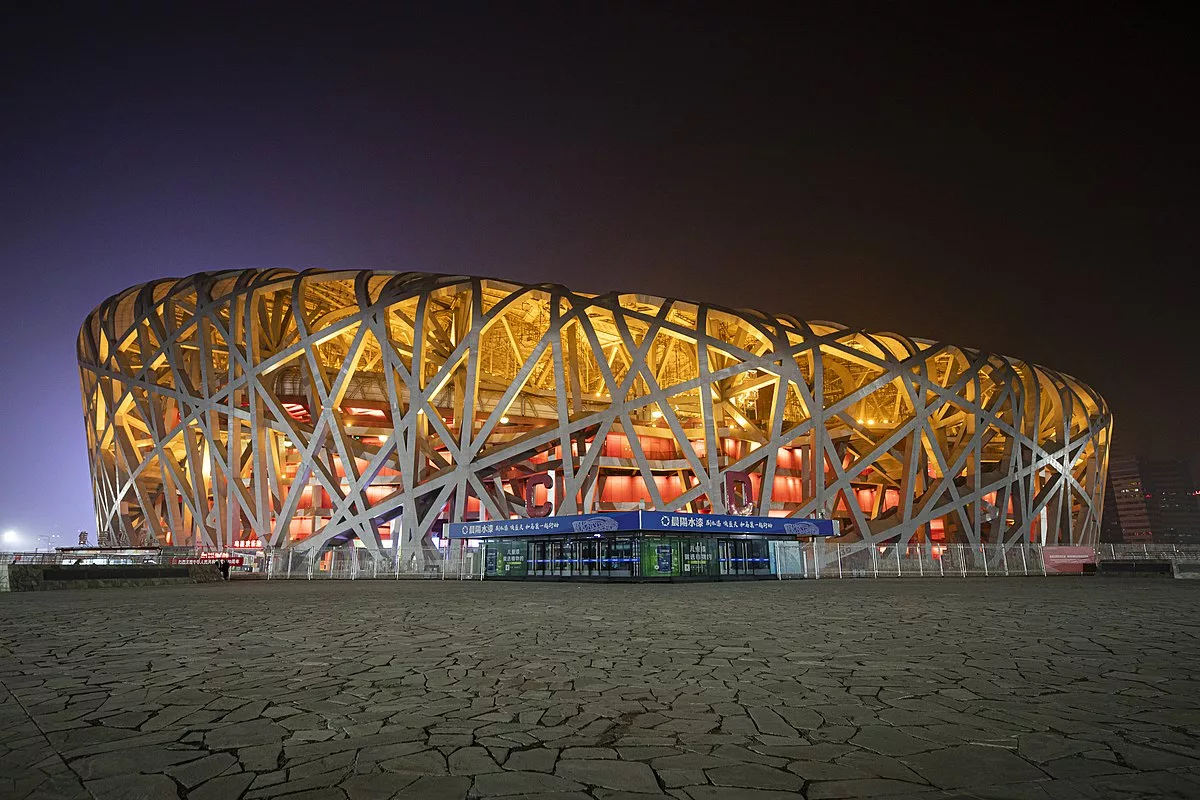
(726, 523)
(630, 521)
(546, 526)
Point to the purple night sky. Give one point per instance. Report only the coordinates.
(1020, 183)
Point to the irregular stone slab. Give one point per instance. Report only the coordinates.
(973, 765)
(263, 757)
(244, 734)
(1148, 758)
(868, 787)
(200, 770)
(436, 788)
(731, 793)
(323, 793)
(691, 761)
(888, 741)
(508, 783)
(1074, 767)
(675, 778)
(632, 776)
(537, 760)
(588, 753)
(222, 788)
(376, 786)
(769, 722)
(754, 776)
(472, 761)
(427, 762)
(874, 765)
(134, 787)
(1049, 746)
(131, 762)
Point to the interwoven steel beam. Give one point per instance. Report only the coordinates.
(298, 409)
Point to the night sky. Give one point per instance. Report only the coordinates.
(1024, 182)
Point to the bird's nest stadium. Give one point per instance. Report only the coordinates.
(282, 410)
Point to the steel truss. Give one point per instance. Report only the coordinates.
(301, 409)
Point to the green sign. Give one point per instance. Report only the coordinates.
(506, 559)
(660, 557)
(699, 557)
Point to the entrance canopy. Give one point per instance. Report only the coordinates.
(636, 521)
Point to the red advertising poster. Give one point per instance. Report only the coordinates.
(1067, 560)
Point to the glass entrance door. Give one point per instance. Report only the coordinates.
(620, 558)
(588, 557)
(743, 557)
(726, 557)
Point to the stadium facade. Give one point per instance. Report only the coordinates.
(270, 408)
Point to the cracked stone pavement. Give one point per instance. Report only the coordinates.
(1022, 688)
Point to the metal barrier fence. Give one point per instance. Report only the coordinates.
(350, 563)
(1149, 552)
(251, 559)
(816, 559)
(822, 559)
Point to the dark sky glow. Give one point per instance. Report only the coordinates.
(1025, 183)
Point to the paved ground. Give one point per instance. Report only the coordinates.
(1022, 688)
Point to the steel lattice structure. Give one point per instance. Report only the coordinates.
(299, 409)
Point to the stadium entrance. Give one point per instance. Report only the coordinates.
(635, 546)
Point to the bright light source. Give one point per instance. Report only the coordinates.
(860, 422)
(11, 537)
(655, 414)
(870, 422)
(288, 444)
(504, 420)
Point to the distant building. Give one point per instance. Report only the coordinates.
(1150, 501)
(1171, 501)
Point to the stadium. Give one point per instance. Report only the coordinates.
(302, 411)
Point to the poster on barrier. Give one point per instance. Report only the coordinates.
(234, 561)
(1067, 560)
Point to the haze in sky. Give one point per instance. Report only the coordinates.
(1018, 182)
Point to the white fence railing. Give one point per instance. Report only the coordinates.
(1149, 552)
(815, 559)
(350, 563)
(822, 559)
